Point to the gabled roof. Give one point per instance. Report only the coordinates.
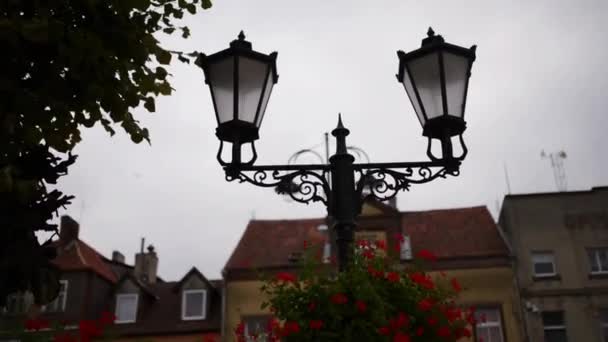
(145, 288)
(193, 272)
(77, 255)
(269, 243)
(449, 233)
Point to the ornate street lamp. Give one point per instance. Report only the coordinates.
(435, 77)
(240, 81)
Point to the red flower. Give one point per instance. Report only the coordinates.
(315, 324)
(381, 244)
(399, 237)
(419, 331)
(374, 273)
(368, 254)
(432, 321)
(401, 337)
(400, 321)
(240, 329)
(286, 277)
(456, 285)
(107, 318)
(64, 337)
(426, 255)
(273, 325)
(425, 305)
(361, 306)
(393, 277)
(88, 330)
(305, 244)
(385, 331)
(422, 280)
(311, 306)
(443, 332)
(36, 324)
(362, 243)
(339, 298)
(291, 328)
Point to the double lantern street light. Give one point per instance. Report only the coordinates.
(435, 78)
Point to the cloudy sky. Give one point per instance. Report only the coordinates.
(539, 82)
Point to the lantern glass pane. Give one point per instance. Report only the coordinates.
(251, 81)
(425, 73)
(456, 74)
(267, 92)
(221, 79)
(409, 89)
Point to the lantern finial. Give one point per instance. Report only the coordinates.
(340, 125)
(241, 35)
(429, 33)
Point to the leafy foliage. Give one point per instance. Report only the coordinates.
(373, 300)
(69, 64)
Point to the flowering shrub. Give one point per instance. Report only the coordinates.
(374, 299)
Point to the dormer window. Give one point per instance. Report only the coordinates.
(194, 304)
(126, 308)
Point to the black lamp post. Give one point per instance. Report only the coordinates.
(435, 77)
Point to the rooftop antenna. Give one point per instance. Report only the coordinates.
(557, 164)
(507, 178)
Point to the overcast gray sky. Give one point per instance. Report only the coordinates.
(539, 82)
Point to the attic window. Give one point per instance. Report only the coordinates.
(126, 308)
(194, 303)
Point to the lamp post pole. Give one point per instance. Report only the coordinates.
(435, 77)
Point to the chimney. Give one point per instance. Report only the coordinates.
(68, 230)
(118, 257)
(146, 264)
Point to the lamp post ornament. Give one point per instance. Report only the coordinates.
(435, 78)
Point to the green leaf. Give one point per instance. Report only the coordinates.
(164, 88)
(185, 32)
(206, 4)
(161, 73)
(169, 30)
(150, 104)
(163, 56)
(191, 8)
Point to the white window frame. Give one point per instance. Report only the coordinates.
(493, 324)
(556, 327)
(184, 296)
(405, 249)
(125, 295)
(246, 325)
(544, 253)
(52, 307)
(596, 259)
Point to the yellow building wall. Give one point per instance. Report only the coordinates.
(480, 287)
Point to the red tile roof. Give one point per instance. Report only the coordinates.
(76, 255)
(454, 233)
(449, 233)
(269, 243)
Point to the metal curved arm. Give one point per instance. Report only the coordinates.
(385, 180)
(305, 183)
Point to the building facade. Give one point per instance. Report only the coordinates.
(145, 306)
(466, 241)
(560, 246)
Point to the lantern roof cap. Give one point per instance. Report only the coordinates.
(432, 38)
(240, 42)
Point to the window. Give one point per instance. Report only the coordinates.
(554, 326)
(544, 264)
(126, 308)
(603, 315)
(18, 303)
(194, 303)
(256, 324)
(598, 259)
(406, 248)
(327, 252)
(489, 326)
(59, 303)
